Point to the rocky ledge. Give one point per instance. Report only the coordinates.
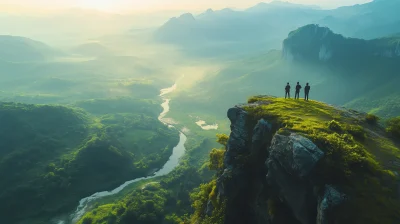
(305, 163)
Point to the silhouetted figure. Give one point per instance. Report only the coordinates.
(298, 88)
(306, 91)
(287, 91)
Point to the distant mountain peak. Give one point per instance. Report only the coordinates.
(282, 4)
(209, 10)
(187, 17)
(276, 2)
(227, 10)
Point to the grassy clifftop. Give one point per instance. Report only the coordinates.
(52, 156)
(361, 158)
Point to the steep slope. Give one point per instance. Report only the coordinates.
(289, 161)
(21, 49)
(59, 155)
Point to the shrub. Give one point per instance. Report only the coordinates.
(357, 132)
(371, 119)
(87, 220)
(216, 159)
(222, 139)
(393, 127)
(335, 126)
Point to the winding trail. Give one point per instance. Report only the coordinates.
(170, 165)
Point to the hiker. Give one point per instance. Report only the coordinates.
(298, 88)
(287, 91)
(306, 91)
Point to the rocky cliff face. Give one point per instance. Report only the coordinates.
(275, 174)
(277, 166)
(315, 43)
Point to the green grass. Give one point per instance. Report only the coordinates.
(357, 159)
(393, 127)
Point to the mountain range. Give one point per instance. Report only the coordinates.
(264, 26)
(358, 73)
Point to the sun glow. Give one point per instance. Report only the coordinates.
(105, 5)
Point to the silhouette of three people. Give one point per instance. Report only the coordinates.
(297, 93)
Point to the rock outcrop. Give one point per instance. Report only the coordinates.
(243, 180)
(292, 159)
(313, 43)
(297, 162)
(261, 165)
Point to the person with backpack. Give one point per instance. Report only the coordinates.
(287, 91)
(306, 91)
(298, 88)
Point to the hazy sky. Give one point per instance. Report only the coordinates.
(118, 5)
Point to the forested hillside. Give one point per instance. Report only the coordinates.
(52, 156)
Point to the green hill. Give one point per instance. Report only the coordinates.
(21, 49)
(52, 156)
(323, 165)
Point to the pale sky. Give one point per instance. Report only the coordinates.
(124, 5)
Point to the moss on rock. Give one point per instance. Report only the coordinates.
(359, 160)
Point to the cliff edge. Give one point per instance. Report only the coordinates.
(297, 162)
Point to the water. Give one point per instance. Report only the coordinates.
(170, 165)
(206, 126)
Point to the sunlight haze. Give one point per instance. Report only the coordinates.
(199, 111)
(137, 5)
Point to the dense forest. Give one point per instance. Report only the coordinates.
(52, 156)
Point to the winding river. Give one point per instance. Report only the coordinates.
(170, 165)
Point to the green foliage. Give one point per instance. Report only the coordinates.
(60, 154)
(208, 191)
(372, 119)
(200, 198)
(216, 159)
(335, 126)
(164, 202)
(357, 132)
(222, 139)
(354, 158)
(393, 127)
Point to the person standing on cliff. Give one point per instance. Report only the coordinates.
(306, 91)
(287, 91)
(298, 88)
